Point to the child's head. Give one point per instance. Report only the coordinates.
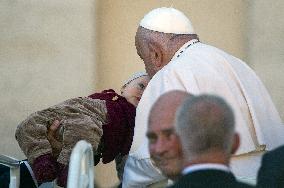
(134, 87)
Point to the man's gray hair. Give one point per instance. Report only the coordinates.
(205, 123)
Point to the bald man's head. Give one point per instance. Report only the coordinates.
(164, 145)
(165, 107)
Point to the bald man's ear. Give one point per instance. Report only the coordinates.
(156, 55)
(236, 143)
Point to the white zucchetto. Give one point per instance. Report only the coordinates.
(167, 20)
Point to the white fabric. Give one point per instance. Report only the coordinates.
(245, 167)
(134, 77)
(205, 69)
(167, 20)
(205, 166)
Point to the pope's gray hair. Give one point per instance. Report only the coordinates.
(205, 123)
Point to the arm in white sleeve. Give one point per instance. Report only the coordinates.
(140, 173)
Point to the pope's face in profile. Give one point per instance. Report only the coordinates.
(144, 53)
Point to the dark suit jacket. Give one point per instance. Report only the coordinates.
(271, 172)
(209, 179)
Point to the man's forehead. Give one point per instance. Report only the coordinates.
(159, 125)
(162, 117)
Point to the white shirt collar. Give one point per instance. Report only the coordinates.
(184, 47)
(207, 166)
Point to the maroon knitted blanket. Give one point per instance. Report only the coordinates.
(118, 132)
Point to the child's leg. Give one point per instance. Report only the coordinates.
(31, 136)
(45, 168)
(76, 128)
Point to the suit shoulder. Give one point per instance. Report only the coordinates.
(276, 153)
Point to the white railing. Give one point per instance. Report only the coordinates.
(14, 166)
(81, 166)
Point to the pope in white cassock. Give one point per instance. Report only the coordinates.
(177, 60)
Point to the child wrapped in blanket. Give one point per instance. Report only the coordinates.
(106, 120)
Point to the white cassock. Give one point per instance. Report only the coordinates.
(199, 68)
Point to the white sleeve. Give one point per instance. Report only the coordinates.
(140, 173)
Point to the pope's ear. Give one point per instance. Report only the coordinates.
(156, 55)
